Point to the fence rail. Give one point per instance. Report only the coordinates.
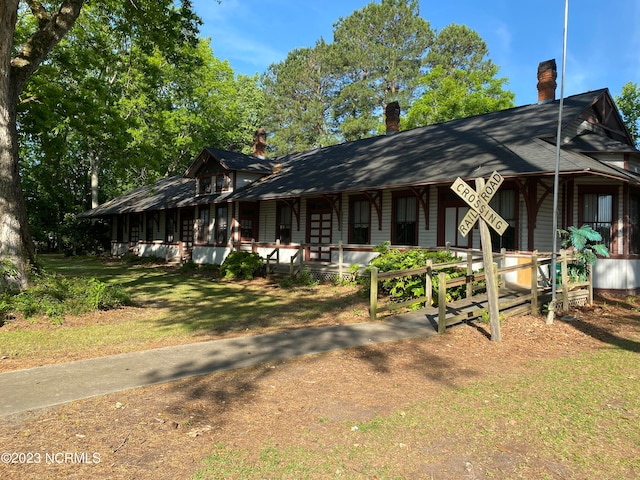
(521, 299)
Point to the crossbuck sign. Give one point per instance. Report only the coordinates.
(479, 203)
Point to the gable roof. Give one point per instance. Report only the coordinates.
(516, 142)
(229, 161)
(180, 190)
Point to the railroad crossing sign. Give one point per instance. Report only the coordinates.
(479, 203)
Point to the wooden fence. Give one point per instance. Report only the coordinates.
(521, 298)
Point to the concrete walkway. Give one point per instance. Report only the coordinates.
(51, 385)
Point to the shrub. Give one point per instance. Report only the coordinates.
(406, 288)
(585, 242)
(303, 279)
(54, 296)
(241, 265)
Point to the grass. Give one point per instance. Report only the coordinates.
(569, 418)
(576, 417)
(170, 306)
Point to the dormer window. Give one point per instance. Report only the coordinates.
(204, 185)
(222, 183)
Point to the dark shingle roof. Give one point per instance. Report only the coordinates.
(166, 193)
(516, 142)
(509, 141)
(232, 161)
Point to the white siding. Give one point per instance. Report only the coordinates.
(616, 274)
(160, 250)
(209, 254)
(243, 179)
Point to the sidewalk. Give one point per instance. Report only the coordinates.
(51, 385)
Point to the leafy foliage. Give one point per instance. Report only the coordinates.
(241, 265)
(381, 53)
(457, 94)
(381, 49)
(583, 240)
(116, 106)
(629, 103)
(54, 296)
(303, 279)
(406, 288)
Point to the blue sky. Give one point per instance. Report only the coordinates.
(603, 38)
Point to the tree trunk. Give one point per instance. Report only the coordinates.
(16, 247)
(16, 250)
(94, 169)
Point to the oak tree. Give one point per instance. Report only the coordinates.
(158, 23)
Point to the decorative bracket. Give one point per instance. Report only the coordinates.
(422, 194)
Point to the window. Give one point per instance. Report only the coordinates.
(283, 223)
(634, 224)
(221, 225)
(134, 228)
(359, 221)
(171, 226)
(504, 203)
(222, 183)
(149, 223)
(597, 212)
(202, 223)
(248, 217)
(204, 185)
(405, 221)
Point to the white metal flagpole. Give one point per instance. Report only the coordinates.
(554, 253)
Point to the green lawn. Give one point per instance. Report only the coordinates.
(172, 306)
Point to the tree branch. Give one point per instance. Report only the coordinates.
(51, 30)
(39, 12)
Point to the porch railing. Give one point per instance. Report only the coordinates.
(568, 290)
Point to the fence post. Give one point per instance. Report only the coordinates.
(428, 284)
(373, 293)
(590, 286)
(442, 302)
(565, 281)
(340, 260)
(469, 285)
(300, 257)
(534, 282)
(503, 263)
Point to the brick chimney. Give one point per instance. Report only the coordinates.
(260, 143)
(547, 74)
(392, 117)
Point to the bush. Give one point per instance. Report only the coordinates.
(54, 296)
(303, 279)
(585, 242)
(406, 288)
(241, 265)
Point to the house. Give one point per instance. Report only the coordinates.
(336, 203)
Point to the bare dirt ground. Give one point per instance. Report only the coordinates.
(165, 431)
